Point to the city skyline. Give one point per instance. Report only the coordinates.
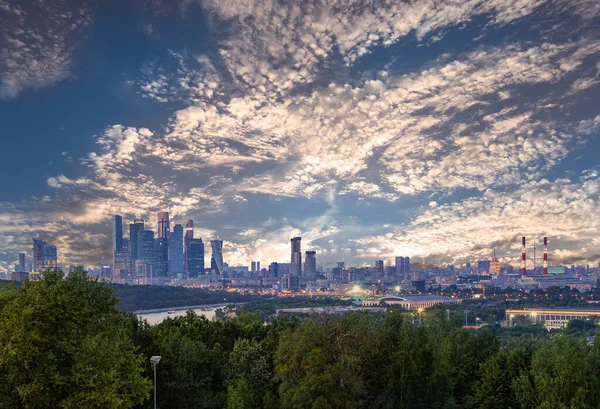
(438, 131)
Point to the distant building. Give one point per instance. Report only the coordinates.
(117, 233)
(45, 256)
(145, 246)
(163, 228)
(176, 264)
(274, 270)
(483, 265)
(216, 260)
(310, 264)
(134, 229)
(290, 282)
(195, 257)
(379, 268)
(161, 257)
(22, 267)
(122, 264)
(296, 256)
(189, 234)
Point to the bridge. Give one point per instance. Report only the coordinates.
(410, 302)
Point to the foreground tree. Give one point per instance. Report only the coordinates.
(63, 344)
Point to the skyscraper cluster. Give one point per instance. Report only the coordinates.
(45, 256)
(171, 253)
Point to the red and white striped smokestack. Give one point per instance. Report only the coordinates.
(545, 255)
(523, 260)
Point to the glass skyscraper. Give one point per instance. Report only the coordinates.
(134, 229)
(45, 256)
(296, 264)
(195, 258)
(176, 250)
(216, 261)
(164, 228)
(310, 264)
(145, 245)
(117, 233)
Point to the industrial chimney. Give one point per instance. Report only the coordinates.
(523, 260)
(545, 255)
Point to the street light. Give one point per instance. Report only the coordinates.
(154, 361)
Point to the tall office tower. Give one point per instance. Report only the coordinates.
(126, 245)
(253, 267)
(145, 246)
(117, 233)
(258, 266)
(274, 270)
(22, 268)
(399, 263)
(189, 234)
(407, 268)
(296, 256)
(122, 264)
(195, 258)
(134, 229)
(164, 228)
(379, 268)
(50, 258)
(216, 260)
(176, 250)
(120, 269)
(341, 265)
(161, 257)
(310, 264)
(38, 255)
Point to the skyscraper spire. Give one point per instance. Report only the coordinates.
(164, 228)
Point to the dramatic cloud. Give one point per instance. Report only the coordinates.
(365, 127)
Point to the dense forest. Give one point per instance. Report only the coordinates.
(65, 344)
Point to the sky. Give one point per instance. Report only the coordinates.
(440, 130)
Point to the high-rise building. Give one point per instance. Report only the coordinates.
(176, 250)
(296, 259)
(50, 258)
(216, 260)
(407, 268)
(274, 270)
(117, 233)
(484, 266)
(399, 263)
(161, 257)
(253, 266)
(134, 229)
(164, 228)
(145, 246)
(22, 267)
(379, 268)
(120, 261)
(310, 264)
(195, 257)
(38, 254)
(122, 264)
(290, 282)
(189, 234)
(45, 256)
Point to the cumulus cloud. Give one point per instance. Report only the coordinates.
(288, 106)
(563, 209)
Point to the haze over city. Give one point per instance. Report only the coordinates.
(435, 130)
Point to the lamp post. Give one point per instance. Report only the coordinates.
(154, 361)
